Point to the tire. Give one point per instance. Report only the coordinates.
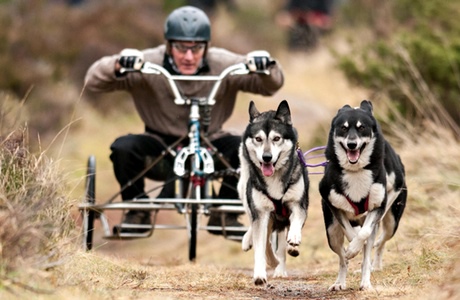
(206, 193)
(193, 227)
(191, 210)
(90, 194)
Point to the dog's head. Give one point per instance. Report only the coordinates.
(269, 138)
(353, 136)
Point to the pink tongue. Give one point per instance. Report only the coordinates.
(353, 155)
(267, 169)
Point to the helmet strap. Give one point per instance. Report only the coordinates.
(173, 64)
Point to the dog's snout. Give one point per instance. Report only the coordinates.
(352, 145)
(267, 157)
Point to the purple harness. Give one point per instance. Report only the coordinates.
(304, 157)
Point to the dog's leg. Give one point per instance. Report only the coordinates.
(272, 246)
(366, 266)
(259, 233)
(280, 270)
(387, 225)
(294, 237)
(349, 231)
(246, 243)
(364, 233)
(377, 195)
(335, 236)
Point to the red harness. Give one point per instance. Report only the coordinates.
(280, 208)
(359, 209)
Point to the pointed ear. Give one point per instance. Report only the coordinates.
(344, 108)
(253, 112)
(283, 113)
(367, 106)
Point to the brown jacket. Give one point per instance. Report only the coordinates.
(153, 98)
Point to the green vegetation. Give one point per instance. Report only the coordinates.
(411, 58)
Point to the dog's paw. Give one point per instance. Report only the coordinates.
(294, 239)
(260, 274)
(280, 272)
(293, 250)
(353, 249)
(260, 281)
(377, 265)
(365, 286)
(246, 243)
(246, 248)
(338, 286)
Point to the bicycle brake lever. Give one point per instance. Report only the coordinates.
(240, 72)
(128, 70)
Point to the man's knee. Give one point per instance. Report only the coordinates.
(122, 144)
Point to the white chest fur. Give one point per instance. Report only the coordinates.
(358, 186)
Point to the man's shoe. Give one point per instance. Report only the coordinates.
(134, 218)
(231, 220)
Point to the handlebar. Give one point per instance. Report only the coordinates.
(151, 68)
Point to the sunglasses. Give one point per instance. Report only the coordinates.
(197, 48)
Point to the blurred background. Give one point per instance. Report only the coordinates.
(400, 51)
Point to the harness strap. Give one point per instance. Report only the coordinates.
(280, 209)
(358, 209)
(303, 157)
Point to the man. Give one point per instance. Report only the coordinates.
(187, 51)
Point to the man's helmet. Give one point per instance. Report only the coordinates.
(187, 23)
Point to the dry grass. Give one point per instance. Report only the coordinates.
(36, 230)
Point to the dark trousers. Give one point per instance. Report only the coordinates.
(132, 153)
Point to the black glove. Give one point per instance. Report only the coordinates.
(259, 61)
(131, 59)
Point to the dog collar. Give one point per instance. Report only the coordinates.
(359, 209)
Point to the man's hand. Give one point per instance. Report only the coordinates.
(131, 59)
(259, 61)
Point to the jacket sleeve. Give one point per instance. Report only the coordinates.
(270, 83)
(262, 84)
(101, 77)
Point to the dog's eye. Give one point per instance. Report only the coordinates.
(276, 138)
(258, 139)
(344, 128)
(361, 128)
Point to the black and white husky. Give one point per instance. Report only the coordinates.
(273, 186)
(363, 188)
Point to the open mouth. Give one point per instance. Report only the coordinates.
(353, 155)
(267, 169)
